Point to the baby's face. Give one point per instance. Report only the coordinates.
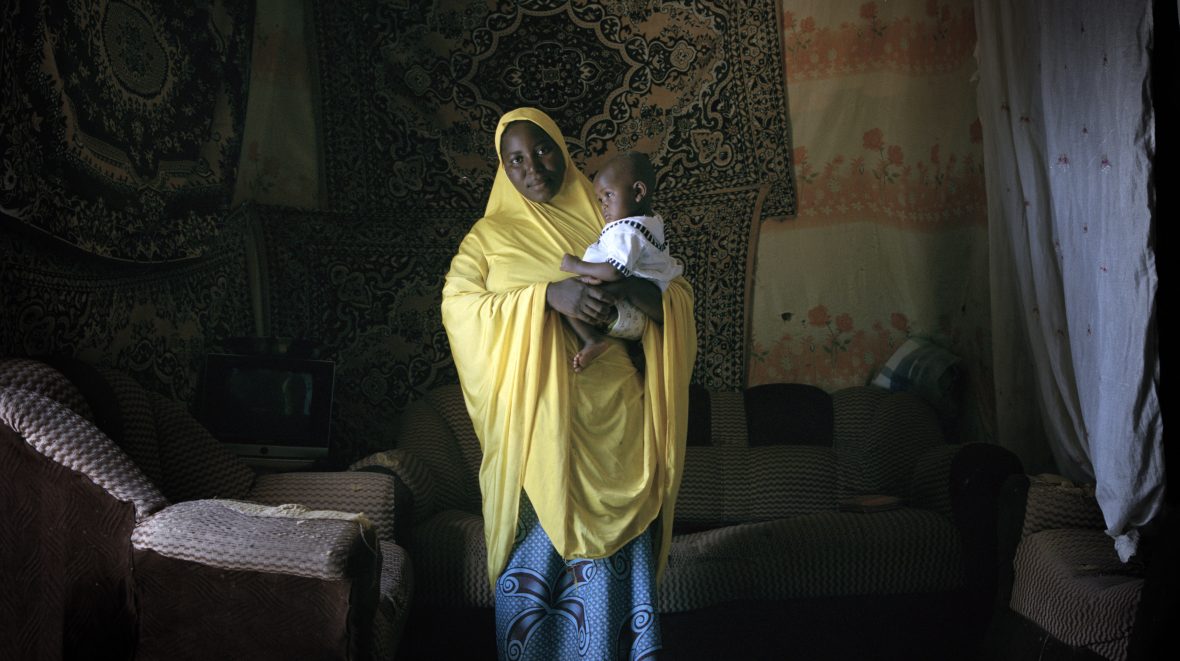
(616, 193)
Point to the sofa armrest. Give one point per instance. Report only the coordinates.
(376, 495)
(978, 474)
(64, 436)
(416, 500)
(229, 579)
(288, 539)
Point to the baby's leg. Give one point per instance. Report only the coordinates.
(593, 343)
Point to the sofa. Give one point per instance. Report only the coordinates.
(127, 531)
(777, 552)
(1063, 593)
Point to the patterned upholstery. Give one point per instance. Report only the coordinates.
(29, 374)
(728, 485)
(295, 555)
(56, 517)
(827, 554)
(1070, 582)
(411, 473)
(193, 463)
(449, 402)
(451, 561)
(429, 436)
(371, 494)
(397, 585)
(728, 418)
(135, 430)
(928, 488)
(854, 409)
(233, 535)
(752, 523)
(1058, 504)
(67, 438)
(1067, 576)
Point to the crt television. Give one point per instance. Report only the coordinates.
(274, 411)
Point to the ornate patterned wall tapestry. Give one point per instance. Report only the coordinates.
(414, 89)
(411, 93)
(368, 287)
(155, 322)
(122, 120)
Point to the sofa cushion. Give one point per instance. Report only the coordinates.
(788, 413)
(879, 435)
(727, 485)
(828, 554)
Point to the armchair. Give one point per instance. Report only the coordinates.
(127, 531)
(1064, 593)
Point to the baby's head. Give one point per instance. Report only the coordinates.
(624, 186)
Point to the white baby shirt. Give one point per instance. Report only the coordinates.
(635, 246)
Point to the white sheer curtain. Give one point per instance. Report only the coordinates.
(1068, 136)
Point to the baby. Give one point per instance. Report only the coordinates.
(631, 244)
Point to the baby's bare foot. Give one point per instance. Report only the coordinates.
(587, 355)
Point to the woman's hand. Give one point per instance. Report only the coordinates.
(576, 299)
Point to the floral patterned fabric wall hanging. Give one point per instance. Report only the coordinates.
(891, 235)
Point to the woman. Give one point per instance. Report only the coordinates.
(577, 466)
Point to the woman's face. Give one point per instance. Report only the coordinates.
(532, 161)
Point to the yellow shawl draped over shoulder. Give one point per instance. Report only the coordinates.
(599, 452)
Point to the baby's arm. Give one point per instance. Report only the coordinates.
(643, 294)
(601, 270)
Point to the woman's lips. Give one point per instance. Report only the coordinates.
(543, 184)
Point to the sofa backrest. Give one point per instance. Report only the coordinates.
(439, 433)
(767, 452)
(879, 437)
(178, 455)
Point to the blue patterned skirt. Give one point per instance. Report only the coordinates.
(550, 609)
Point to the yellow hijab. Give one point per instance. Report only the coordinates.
(598, 452)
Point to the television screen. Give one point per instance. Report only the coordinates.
(268, 406)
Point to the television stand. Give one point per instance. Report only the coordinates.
(277, 464)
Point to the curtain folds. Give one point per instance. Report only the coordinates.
(1068, 133)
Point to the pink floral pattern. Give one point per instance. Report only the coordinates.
(876, 165)
(829, 350)
(936, 40)
(882, 184)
